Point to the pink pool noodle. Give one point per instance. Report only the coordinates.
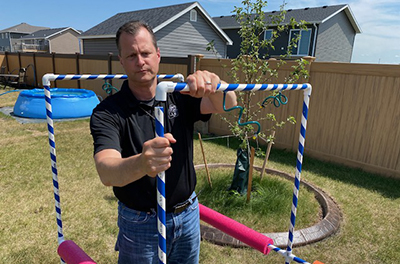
(71, 253)
(235, 229)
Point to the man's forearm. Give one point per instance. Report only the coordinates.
(214, 102)
(114, 171)
(217, 100)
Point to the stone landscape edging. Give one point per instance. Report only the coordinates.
(327, 226)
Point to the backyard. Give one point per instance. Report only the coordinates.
(369, 203)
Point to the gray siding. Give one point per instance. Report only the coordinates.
(4, 42)
(280, 44)
(180, 38)
(335, 39)
(183, 37)
(99, 46)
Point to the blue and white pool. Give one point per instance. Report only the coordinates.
(66, 103)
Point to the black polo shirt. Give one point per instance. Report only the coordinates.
(123, 123)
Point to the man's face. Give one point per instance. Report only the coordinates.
(138, 56)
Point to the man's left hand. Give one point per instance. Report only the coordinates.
(202, 83)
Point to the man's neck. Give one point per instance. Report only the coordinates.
(143, 91)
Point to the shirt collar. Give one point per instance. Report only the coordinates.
(133, 102)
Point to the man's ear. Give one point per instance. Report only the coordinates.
(120, 60)
(158, 54)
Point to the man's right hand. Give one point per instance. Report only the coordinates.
(114, 170)
(156, 155)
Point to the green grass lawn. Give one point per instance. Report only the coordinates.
(270, 201)
(370, 204)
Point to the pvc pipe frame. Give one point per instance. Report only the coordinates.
(161, 91)
(167, 87)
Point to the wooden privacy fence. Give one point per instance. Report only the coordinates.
(354, 117)
(38, 64)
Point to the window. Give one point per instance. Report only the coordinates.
(303, 44)
(2, 35)
(193, 15)
(268, 34)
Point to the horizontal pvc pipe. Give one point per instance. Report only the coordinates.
(48, 77)
(167, 87)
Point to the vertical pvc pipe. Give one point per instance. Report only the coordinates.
(161, 208)
(300, 152)
(53, 157)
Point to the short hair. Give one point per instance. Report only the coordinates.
(132, 28)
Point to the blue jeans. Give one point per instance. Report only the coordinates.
(137, 240)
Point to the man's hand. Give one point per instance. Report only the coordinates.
(202, 83)
(157, 155)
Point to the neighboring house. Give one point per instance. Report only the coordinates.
(11, 35)
(181, 30)
(330, 35)
(58, 40)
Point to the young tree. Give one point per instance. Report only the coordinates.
(256, 68)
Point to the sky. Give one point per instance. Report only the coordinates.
(379, 20)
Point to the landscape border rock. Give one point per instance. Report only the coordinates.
(327, 226)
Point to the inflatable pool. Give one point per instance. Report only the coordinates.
(65, 102)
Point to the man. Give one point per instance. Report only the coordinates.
(128, 157)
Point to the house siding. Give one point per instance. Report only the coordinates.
(5, 41)
(180, 38)
(16, 41)
(335, 39)
(183, 37)
(67, 42)
(280, 44)
(99, 46)
(233, 50)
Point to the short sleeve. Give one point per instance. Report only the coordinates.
(104, 127)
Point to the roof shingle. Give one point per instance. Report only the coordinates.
(153, 17)
(310, 15)
(44, 33)
(22, 28)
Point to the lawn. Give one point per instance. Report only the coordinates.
(370, 203)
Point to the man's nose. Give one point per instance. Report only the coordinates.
(140, 60)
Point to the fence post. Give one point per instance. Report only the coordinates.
(191, 64)
(34, 68)
(77, 67)
(198, 61)
(110, 54)
(19, 60)
(7, 64)
(54, 66)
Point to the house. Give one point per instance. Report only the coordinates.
(58, 40)
(181, 30)
(330, 35)
(9, 36)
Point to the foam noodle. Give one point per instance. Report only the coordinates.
(71, 253)
(237, 230)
